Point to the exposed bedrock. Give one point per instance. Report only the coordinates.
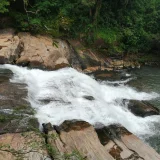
(39, 51)
(109, 143)
(142, 108)
(75, 140)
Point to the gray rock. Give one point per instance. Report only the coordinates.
(142, 108)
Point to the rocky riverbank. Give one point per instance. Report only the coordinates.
(47, 53)
(20, 137)
(75, 140)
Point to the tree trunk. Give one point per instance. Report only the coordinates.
(97, 11)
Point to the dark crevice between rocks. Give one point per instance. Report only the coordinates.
(53, 152)
(18, 51)
(112, 132)
(74, 124)
(134, 155)
(115, 152)
(75, 60)
(46, 128)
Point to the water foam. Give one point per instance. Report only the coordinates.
(59, 95)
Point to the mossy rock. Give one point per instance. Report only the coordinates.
(13, 123)
(25, 109)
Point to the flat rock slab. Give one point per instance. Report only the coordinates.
(144, 151)
(16, 114)
(43, 52)
(79, 139)
(9, 46)
(26, 146)
(142, 108)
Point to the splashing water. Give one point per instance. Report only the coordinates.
(59, 95)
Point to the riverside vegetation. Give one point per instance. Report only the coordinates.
(115, 27)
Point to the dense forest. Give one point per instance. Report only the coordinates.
(124, 26)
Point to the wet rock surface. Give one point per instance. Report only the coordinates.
(110, 75)
(91, 60)
(75, 140)
(24, 146)
(16, 114)
(142, 108)
(90, 98)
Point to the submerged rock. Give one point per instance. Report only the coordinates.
(142, 108)
(91, 98)
(16, 114)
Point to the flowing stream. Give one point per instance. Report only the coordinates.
(60, 95)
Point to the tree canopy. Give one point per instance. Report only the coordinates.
(124, 25)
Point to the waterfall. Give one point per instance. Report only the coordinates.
(60, 95)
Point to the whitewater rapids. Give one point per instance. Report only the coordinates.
(59, 95)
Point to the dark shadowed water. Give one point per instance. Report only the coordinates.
(148, 80)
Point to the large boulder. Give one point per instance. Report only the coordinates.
(43, 52)
(142, 108)
(78, 139)
(9, 46)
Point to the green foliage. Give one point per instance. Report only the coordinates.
(109, 35)
(74, 155)
(126, 26)
(3, 6)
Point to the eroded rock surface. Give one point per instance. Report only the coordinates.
(80, 139)
(9, 46)
(142, 108)
(23, 146)
(47, 53)
(77, 137)
(43, 52)
(92, 61)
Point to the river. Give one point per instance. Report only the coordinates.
(60, 95)
(148, 80)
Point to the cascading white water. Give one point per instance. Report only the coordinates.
(59, 95)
